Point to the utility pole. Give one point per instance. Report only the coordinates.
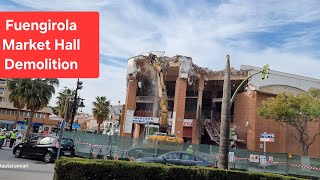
(62, 125)
(75, 102)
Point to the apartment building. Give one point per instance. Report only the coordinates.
(8, 114)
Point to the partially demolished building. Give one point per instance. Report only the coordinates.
(194, 98)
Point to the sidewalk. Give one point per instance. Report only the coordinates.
(7, 144)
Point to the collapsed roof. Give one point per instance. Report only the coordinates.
(181, 66)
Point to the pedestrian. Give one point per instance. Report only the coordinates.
(13, 137)
(19, 135)
(2, 138)
(190, 149)
(7, 136)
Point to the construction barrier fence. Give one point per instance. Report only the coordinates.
(104, 146)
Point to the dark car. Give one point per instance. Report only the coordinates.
(178, 158)
(45, 147)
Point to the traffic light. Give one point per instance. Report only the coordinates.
(79, 84)
(265, 72)
(232, 133)
(26, 120)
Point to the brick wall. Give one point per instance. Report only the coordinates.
(246, 107)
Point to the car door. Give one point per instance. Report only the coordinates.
(28, 147)
(172, 158)
(187, 159)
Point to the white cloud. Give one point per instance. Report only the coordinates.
(205, 31)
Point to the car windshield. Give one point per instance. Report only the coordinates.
(67, 142)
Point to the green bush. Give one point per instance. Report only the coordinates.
(83, 169)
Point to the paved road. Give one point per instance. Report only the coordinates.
(33, 169)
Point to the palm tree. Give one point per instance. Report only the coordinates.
(36, 94)
(100, 110)
(14, 97)
(225, 119)
(61, 102)
(54, 109)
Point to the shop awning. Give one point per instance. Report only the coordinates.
(7, 122)
(37, 124)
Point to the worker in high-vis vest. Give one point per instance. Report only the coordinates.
(2, 138)
(13, 137)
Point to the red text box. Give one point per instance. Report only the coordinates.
(49, 44)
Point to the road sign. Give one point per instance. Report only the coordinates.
(267, 137)
(75, 125)
(263, 160)
(270, 159)
(232, 158)
(60, 124)
(254, 158)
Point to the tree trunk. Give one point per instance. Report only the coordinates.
(29, 129)
(305, 149)
(225, 119)
(17, 117)
(99, 127)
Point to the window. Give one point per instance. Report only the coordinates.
(13, 112)
(38, 115)
(1, 90)
(2, 81)
(198, 159)
(67, 142)
(3, 111)
(187, 157)
(172, 156)
(35, 139)
(46, 140)
(1, 99)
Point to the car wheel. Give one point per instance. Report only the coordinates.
(18, 153)
(48, 157)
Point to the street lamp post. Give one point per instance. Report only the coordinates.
(62, 125)
(75, 102)
(264, 75)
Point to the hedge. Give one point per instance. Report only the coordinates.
(83, 169)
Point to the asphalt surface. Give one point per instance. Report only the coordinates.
(27, 169)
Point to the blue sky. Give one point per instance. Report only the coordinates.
(285, 34)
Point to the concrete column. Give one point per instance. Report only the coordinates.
(196, 135)
(156, 102)
(129, 106)
(179, 106)
(136, 131)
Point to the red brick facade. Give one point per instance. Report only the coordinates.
(250, 125)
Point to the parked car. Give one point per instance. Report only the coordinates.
(45, 147)
(178, 158)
